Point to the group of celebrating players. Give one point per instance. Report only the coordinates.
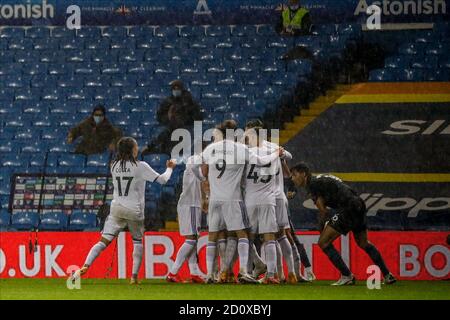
(239, 182)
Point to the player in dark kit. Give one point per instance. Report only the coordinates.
(349, 214)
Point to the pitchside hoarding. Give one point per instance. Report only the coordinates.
(410, 255)
(130, 12)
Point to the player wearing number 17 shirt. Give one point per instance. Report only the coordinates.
(127, 207)
(224, 163)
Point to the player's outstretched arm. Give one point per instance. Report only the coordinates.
(254, 158)
(163, 178)
(147, 173)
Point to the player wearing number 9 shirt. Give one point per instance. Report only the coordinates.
(224, 164)
(127, 207)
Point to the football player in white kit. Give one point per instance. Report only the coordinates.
(281, 209)
(260, 202)
(127, 207)
(189, 218)
(224, 162)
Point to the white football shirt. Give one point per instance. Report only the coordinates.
(226, 160)
(191, 194)
(260, 180)
(279, 178)
(129, 186)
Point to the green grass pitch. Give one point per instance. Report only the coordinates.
(159, 289)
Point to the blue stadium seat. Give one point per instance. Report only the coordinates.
(412, 49)
(95, 45)
(410, 75)
(71, 44)
(114, 32)
(243, 31)
(54, 221)
(5, 219)
(267, 31)
(325, 29)
(47, 56)
(218, 31)
(25, 220)
(430, 62)
(12, 32)
(192, 31)
(444, 62)
(141, 32)
(398, 62)
(37, 32)
(71, 160)
(437, 75)
(98, 160)
(6, 56)
(26, 57)
(88, 32)
(62, 32)
(169, 32)
(80, 221)
(37, 160)
(12, 160)
(437, 49)
(19, 44)
(120, 44)
(32, 148)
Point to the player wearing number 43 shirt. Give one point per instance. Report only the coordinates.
(260, 201)
(127, 207)
(224, 164)
(285, 244)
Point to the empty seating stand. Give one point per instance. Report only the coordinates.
(423, 57)
(50, 79)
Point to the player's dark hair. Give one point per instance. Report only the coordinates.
(227, 125)
(125, 152)
(302, 167)
(255, 123)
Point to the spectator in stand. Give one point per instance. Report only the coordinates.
(179, 110)
(295, 20)
(98, 134)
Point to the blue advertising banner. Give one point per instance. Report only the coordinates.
(219, 12)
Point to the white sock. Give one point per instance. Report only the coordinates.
(222, 248)
(296, 256)
(256, 257)
(280, 269)
(271, 257)
(184, 252)
(229, 254)
(287, 253)
(94, 253)
(193, 264)
(263, 253)
(210, 257)
(243, 254)
(138, 249)
(308, 269)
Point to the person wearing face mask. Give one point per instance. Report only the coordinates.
(98, 134)
(179, 110)
(295, 20)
